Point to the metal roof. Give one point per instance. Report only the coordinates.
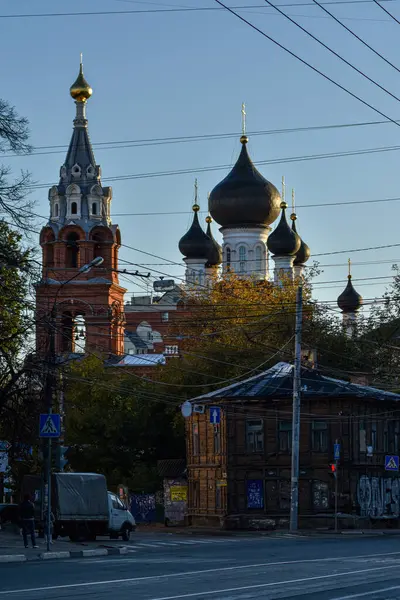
(140, 360)
(277, 382)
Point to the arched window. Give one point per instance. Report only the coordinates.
(56, 213)
(66, 332)
(79, 334)
(72, 253)
(74, 208)
(258, 260)
(242, 259)
(94, 208)
(228, 259)
(49, 255)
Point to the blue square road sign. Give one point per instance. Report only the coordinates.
(391, 463)
(215, 415)
(50, 426)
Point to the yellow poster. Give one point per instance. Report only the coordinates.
(178, 493)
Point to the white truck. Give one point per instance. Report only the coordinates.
(82, 507)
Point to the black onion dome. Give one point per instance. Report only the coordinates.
(304, 252)
(283, 241)
(215, 252)
(244, 197)
(349, 300)
(195, 243)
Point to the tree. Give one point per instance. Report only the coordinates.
(115, 427)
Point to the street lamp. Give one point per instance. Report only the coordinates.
(50, 377)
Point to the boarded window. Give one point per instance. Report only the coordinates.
(284, 495)
(217, 439)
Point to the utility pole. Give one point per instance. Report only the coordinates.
(294, 496)
(49, 390)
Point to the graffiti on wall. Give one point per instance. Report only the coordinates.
(379, 497)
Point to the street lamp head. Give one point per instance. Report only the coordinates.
(96, 262)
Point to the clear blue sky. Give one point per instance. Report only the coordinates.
(183, 74)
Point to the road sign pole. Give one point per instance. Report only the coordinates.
(48, 520)
(336, 499)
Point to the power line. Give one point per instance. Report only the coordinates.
(355, 35)
(346, 62)
(304, 62)
(139, 143)
(386, 11)
(162, 10)
(274, 161)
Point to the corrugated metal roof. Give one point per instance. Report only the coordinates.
(278, 383)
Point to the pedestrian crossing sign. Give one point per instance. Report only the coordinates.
(50, 426)
(391, 463)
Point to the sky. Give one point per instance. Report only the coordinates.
(178, 74)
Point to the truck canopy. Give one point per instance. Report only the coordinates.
(80, 496)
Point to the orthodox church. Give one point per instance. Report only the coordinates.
(80, 245)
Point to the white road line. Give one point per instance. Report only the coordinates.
(156, 545)
(201, 572)
(371, 593)
(270, 584)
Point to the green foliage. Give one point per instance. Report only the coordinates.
(114, 427)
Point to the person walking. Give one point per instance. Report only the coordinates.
(27, 516)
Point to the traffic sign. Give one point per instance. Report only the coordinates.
(4, 446)
(186, 409)
(336, 451)
(391, 463)
(215, 415)
(50, 426)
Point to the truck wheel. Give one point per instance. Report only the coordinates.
(126, 533)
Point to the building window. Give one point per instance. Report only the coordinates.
(217, 439)
(94, 208)
(319, 442)
(56, 210)
(258, 260)
(171, 349)
(374, 436)
(195, 439)
(320, 495)
(228, 259)
(362, 436)
(285, 436)
(242, 259)
(164, 317)
(74, 208)
(72, 251)
(255, 435)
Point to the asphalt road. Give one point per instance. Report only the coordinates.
(172, 567)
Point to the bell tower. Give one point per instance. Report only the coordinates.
(88, 304)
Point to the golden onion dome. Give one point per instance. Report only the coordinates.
(80, 90)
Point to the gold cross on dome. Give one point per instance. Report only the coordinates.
(243, 118)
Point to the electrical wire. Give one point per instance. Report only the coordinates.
(304, 62)
(355, 35)
(386, 11)
(349, 64)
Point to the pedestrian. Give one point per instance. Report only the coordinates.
(27, 516)
(52, 519)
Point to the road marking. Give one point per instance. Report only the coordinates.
(201, 572)
(371, 593)
(270, 584)
(148, 545)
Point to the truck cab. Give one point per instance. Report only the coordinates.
(121, 521)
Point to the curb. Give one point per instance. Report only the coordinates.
(10, 558)
(14, 558)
